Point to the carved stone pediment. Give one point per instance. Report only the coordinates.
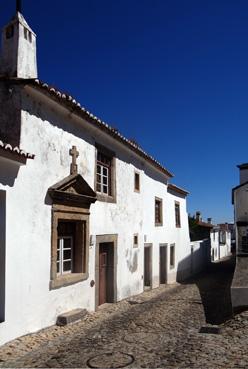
(73, 191)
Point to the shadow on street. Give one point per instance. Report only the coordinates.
(214, 287)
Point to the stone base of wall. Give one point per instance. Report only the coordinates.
(239, 287)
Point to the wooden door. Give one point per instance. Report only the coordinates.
(106, 273)
(147, 266)
(163, 261)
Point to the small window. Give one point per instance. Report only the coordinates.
(135, 240)
(136, 182)
(30, 36)
(158, 212)
(25, 33)
(177, 214)
(172, 256)
(9, 31)
(105, 174)
(222, 237)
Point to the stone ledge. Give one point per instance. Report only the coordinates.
(71, 316)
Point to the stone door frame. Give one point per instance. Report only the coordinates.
(106, 238)
(150, 265)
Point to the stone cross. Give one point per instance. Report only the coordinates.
(18, 6)
(74, 153)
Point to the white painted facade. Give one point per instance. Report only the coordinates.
(48, 130)
(220, 243)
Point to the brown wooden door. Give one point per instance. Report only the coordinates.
(162, 261)
(102, 277)
(147, 266)
(106, 273)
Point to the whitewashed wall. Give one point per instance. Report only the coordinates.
(49, 131)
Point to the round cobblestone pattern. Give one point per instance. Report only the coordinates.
(159, 328)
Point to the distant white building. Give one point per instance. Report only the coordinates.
(88, 217)
(220, 238)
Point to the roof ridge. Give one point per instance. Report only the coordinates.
(68, 99)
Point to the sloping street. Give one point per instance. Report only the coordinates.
(183, 325)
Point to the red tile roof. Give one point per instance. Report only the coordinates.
(14, 151)
(177, 189)
(70, 102)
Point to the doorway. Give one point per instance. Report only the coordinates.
(106, 268)
(147, 265)
(163, 264)
(106, 272)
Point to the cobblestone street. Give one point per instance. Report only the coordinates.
(160, 328)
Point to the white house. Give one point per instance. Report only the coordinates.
(220, 238)
(87, 217)
(239, 288)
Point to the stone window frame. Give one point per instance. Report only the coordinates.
(172, 258)
(111, 154)
(177, 217)
(136, 175)
(62, 212)
(160, 201)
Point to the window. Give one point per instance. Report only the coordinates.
(30, 36)
(136, 182)
(25, 33)
(9, 31)
(222, 235)
(135, 240)
(177, 214)
(158, 212)
(172, 256)
(105, 174)
(70, 243)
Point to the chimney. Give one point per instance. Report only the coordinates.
(243, 172)
(198, 216)
(210, 220)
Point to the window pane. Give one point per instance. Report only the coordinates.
(105, 180)
(58, 269)
(67, 254)
(67, 243)
(58, 255)
(98, 178)
(98, 187)
(105, 171)
(67, 266)
(98, 169)
(105, 189)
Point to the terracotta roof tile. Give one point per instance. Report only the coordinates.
(177, 189)
(15, 150)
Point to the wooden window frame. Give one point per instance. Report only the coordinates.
(136, 189)
(107, 197)
(81, 217)
(173, 263)
(160, 223)
(177, 206)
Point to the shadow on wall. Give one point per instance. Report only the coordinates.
(8, 173)
(214, 287)
(198, 260)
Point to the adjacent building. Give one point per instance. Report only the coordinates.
(86, 215)
(239, 288)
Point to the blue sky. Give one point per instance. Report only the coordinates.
(171, 74)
